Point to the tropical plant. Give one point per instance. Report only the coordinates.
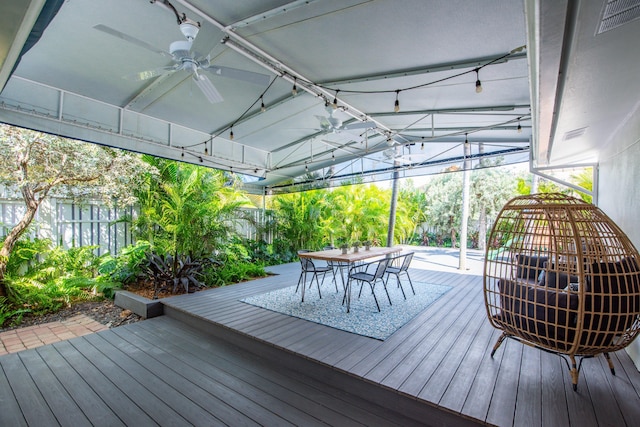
(187, 209)
(41, 278)
(170, 273)
(584, 179)
(123, 269)
(37, 164)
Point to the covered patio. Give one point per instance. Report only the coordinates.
(211, 359)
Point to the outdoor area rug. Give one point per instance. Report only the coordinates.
(364, 318)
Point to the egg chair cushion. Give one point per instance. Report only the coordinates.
(538, 312)
(529, 267)
(556, 279)
(613, 293)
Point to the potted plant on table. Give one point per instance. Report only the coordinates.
(345, 248)
(356, 246)
(367, 245)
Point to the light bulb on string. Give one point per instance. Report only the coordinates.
(422, 146)
(294, 89)
(231, 134)
(333, 157)
(200, 159)
(182, 154)
(262, 107)
(206, 150)
(335, 100)
(478, 83)
(519, 126)
(396, 106)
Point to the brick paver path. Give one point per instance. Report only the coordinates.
(47, 333)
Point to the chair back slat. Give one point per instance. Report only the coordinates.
(406, 262)
(382, 266)
(306, 263)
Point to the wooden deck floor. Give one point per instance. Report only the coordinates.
(212, 360)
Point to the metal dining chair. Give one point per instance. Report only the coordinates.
(337, 268)
(371, 273)
(308, 267)
(400, 265)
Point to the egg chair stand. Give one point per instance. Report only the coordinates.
(562, 277)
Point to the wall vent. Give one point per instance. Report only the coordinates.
(572, 134)
(618, 12)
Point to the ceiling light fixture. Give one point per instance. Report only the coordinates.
(294, 89)
(262, 107)
(478, 83)
(396, 106)
(231, 134)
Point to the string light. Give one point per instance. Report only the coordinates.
(294, 89)
(396, 106)
(519, 126)
(182, 154)
(333, 157)
(422, 146)
(200, 159)
(478, 84)
(206, 150)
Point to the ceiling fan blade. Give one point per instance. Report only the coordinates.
(130, 39)
(359, 125)
(207, 88)
(242, 75)
(148, 74)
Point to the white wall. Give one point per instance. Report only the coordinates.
(619, 186)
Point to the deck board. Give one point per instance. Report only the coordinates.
(65, 410)
(180, 369)
(442, 357)
(33, 406)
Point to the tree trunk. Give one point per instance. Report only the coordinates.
(18, 230)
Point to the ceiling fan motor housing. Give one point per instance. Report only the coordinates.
(190, 29)
(335, 122)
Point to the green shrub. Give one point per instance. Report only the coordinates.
(124, 268)
(232, 272)
(42, 280)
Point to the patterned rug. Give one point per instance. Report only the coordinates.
(364, 318)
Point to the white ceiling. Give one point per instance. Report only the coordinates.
(76, 81)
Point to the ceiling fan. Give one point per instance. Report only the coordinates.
(190, 61)
(334, 124)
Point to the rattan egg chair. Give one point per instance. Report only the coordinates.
(561, 276)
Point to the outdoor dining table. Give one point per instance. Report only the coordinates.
(349, 259)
